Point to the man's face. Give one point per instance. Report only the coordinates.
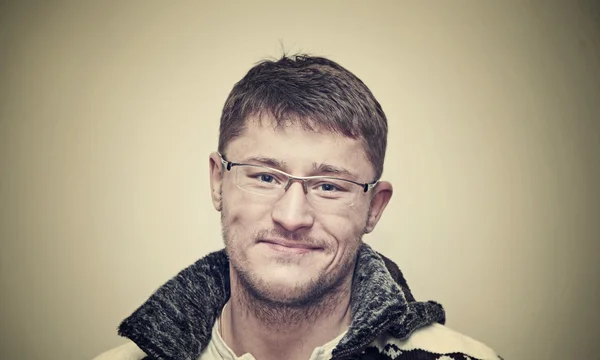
(289, 250)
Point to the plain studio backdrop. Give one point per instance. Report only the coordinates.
(109, 109)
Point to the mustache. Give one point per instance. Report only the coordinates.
(290, 236)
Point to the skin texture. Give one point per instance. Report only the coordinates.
(281, 295)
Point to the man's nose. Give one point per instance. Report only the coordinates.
(293, 211)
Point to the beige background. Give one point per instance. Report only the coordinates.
(108, 111)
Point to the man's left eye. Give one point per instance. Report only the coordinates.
(266, 178)
(328, 187)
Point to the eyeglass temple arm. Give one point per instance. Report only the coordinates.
(227, 164)
(370, 185)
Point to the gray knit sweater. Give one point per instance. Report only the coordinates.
(176, 322)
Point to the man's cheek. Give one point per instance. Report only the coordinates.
(343, 226)
(246, 215)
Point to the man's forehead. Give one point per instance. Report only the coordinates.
(293, 145)
(299, 130)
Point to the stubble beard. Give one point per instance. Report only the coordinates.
(309, 301)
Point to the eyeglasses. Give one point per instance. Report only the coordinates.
(273, 183)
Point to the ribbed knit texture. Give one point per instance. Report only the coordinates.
(175, 323)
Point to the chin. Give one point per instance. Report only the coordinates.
(284, 294)
(287, 280)
(285, 286)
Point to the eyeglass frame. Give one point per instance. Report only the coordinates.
(302, 179)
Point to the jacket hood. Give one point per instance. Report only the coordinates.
(176, 322)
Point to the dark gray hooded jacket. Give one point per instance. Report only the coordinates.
(176, 322)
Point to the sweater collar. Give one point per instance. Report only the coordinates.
(175, 323)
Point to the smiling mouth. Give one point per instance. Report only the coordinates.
(284, 247)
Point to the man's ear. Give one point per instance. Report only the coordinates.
(381, 197)
(216, 179)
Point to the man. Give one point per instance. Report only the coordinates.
(296, 179)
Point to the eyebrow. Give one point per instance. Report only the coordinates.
(318, 169)
(332, 170)
(266, 161)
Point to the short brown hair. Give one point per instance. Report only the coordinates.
(316, 93)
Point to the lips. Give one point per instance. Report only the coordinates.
(289, 247)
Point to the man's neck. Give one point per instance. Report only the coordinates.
(277, 332)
